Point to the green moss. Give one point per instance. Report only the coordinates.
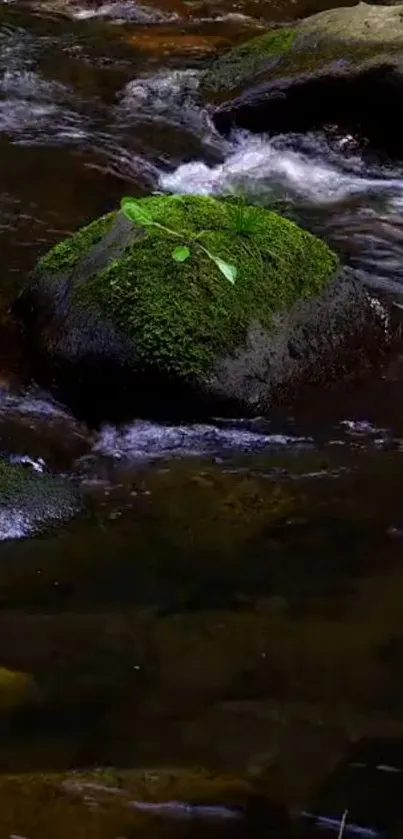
(313, 47)
(36, 498)
(184, 317)
(247, 61)
(16, 482)
(65, 255)
(307, 58)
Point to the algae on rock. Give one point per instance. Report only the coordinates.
(246, 62)
(113, 294)
(361, 44)
(30, 501)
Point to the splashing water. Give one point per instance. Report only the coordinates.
(145, 440)
(125, 12)
(161, 91)
(259, 166)
(357, 208)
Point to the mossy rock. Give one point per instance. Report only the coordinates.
(124, 328)
(354, 54)
(30, 501)
(245, 63)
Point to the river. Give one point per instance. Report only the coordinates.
(230, 595)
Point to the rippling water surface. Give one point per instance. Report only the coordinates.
(222, 575)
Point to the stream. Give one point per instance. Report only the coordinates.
(229, 597)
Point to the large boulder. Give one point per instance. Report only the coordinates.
(122, 328)
(31, 501)
(343, 65)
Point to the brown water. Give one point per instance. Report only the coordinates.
(230, 598)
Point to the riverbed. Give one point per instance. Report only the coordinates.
(229, 597)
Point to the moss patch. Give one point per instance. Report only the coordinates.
(183, 318)
(247, 61)
(65, 255)
(339, 40)
(332, 56)
(34, 499)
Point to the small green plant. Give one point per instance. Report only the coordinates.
(137, 213)
(245, 220)
(244, 217)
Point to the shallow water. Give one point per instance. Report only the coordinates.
(230, 594)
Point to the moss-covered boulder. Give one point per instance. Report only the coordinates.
(233, 71)
(343, 65)
(123, 328)
(30, 501)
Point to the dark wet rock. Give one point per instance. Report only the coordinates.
(342, 66)
(158, 803)
(30, 501)
(122, 329)
(317, 340)
(35, 430)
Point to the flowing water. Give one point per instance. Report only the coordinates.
(231, 594)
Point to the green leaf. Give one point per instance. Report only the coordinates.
(226, 268)
(136, 212)
(181, 253)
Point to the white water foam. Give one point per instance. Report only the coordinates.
(37, 111)
(18, 48)
(27, 84)
(124, 12)
(14, 524)
(262, 167)
(356, 208)
(232, 17)
(129, 11)
(169, 99)
(31, 404)
(145, 440)
(18, 116)
(162, 90)
(36, 464)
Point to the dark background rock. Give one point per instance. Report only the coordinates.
(344, 67)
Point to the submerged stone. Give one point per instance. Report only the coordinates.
(122, 328)
(157, 803)
(30, 501)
